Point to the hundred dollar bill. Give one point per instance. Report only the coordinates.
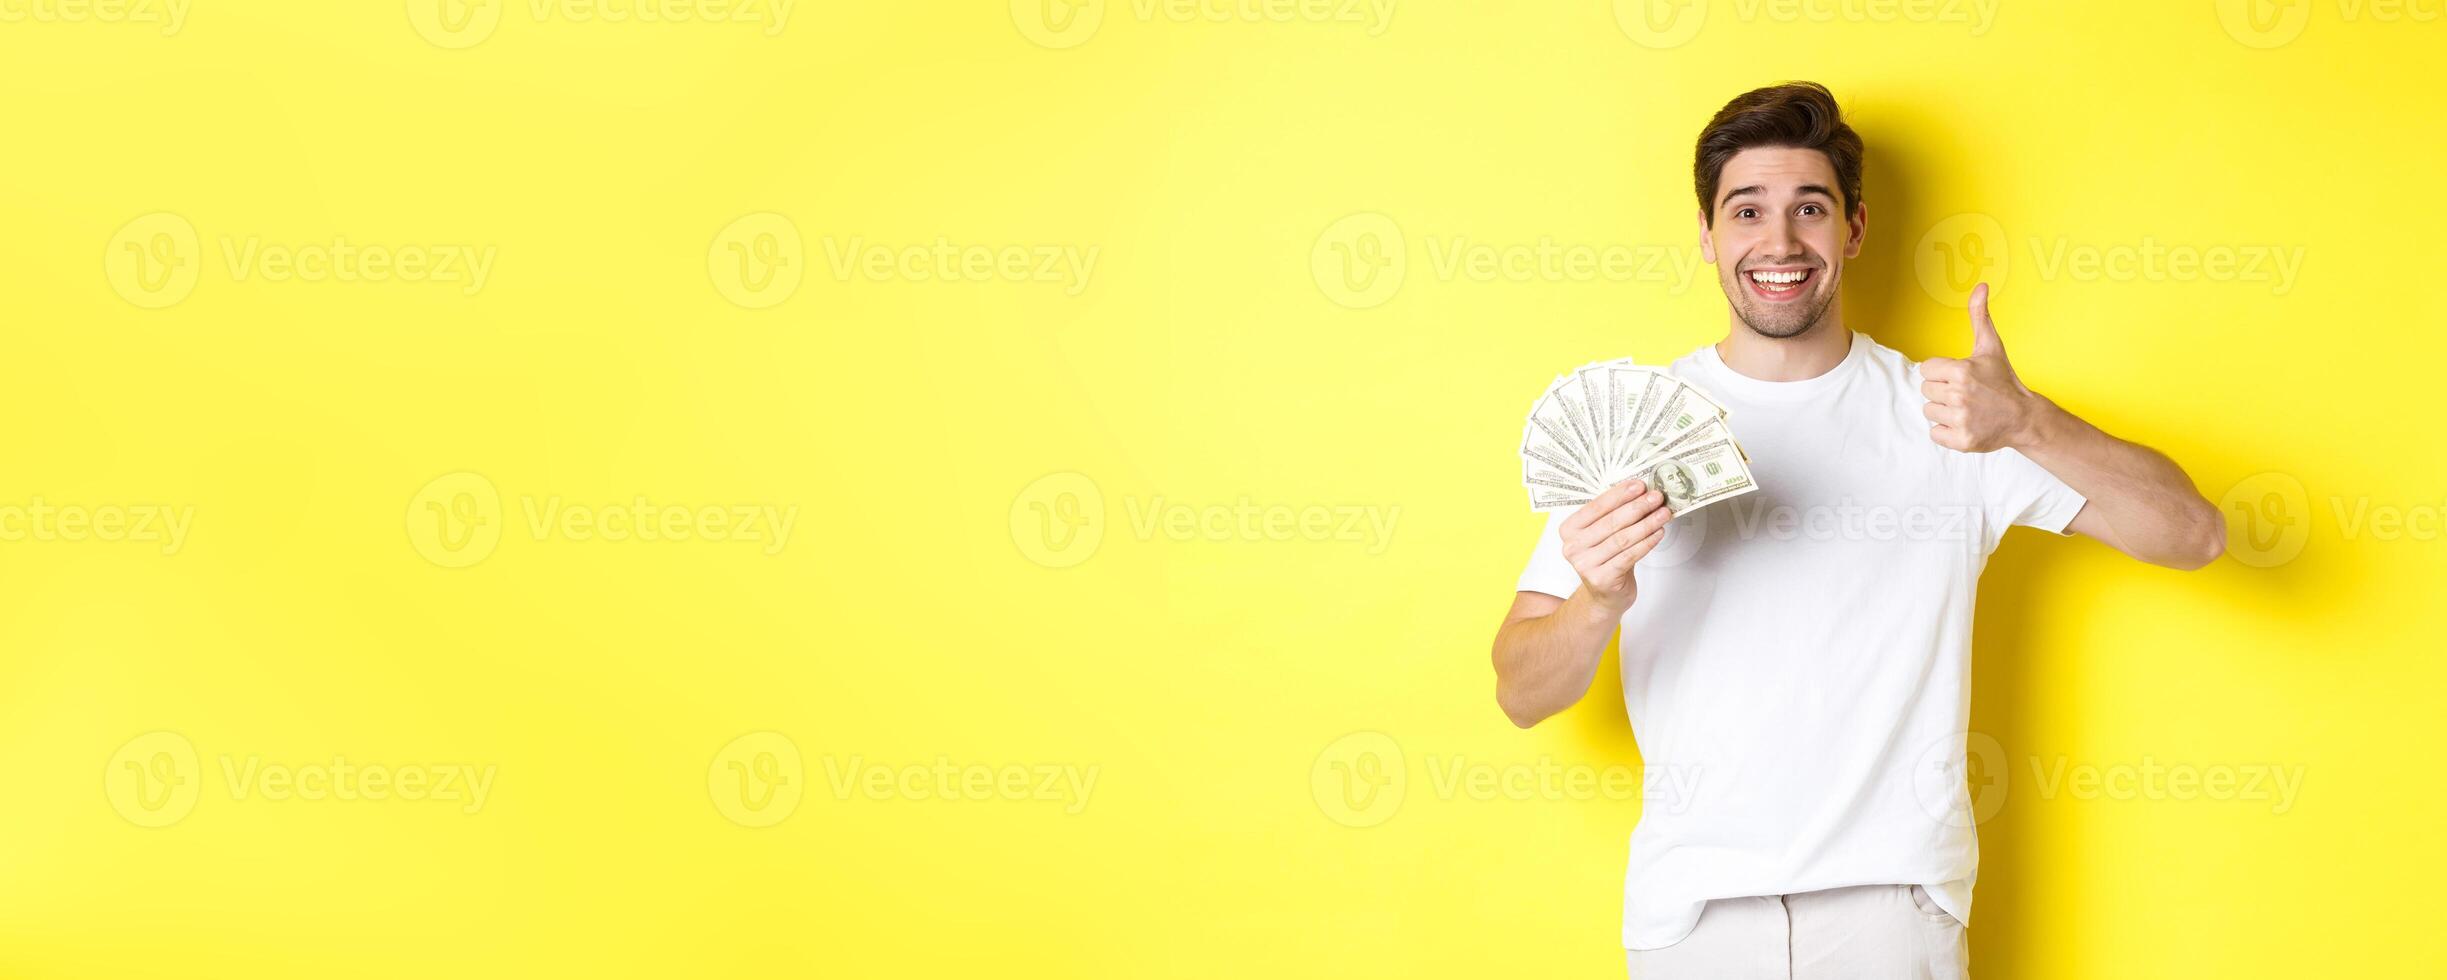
(1638, 390)
(1707, 431)
(1680, 410)
(1543, 499)
(1594, 389)
(1696, 475)
(1548, 439)
(1567, 432)
(1549, 480)
(1568, 401)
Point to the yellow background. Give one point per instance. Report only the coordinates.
(919, 613)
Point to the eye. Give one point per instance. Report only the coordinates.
(1812, 210)
(1746, 213)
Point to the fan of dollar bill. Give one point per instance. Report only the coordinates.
(1615, 420)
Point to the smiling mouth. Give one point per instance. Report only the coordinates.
(1776, 285)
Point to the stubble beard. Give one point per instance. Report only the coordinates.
(1783, 323)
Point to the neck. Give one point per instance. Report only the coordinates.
(1798, 358)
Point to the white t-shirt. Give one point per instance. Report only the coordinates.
(1798, 660)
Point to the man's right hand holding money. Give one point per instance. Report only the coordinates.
(1547, 652)
(1608, 534)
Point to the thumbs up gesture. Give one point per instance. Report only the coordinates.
(1977, 402)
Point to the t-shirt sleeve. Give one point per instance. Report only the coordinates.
(1547, 571)
(2018, 491)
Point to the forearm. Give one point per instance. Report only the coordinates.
(2144, 504)
(1544, 664)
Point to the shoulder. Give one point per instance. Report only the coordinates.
(1888, 364)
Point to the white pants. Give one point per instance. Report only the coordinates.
(1872, 932)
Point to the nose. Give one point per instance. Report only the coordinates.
(1782, 240)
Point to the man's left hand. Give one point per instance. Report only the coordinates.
(1977, 402)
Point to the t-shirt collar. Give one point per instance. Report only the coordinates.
(1738, 385)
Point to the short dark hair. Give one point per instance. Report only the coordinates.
(1800, 115)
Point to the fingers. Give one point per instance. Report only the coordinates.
(1602, 504)
(1623, 516)
(1951, 416)
(1613, 546)
(1942, 393)
(1950, 437)
(1638, 550)
(1944, 370)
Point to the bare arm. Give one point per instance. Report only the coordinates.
(1546, 652)
(2140, 502)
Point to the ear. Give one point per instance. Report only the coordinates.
(1707, 244)
(1859, 223)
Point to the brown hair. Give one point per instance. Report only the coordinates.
(1801, 115)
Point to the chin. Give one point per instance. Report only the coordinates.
(1778, 331)
(1781, 324)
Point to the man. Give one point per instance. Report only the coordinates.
(1804, 651)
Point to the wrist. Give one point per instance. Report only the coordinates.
(2042, 423)
(1600, 612)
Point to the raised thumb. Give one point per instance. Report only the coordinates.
(1984, 339)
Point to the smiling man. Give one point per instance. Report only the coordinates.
(1805, 652)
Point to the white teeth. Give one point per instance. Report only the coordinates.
(1779, 277)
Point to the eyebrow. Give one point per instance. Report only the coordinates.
(1805, 190)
